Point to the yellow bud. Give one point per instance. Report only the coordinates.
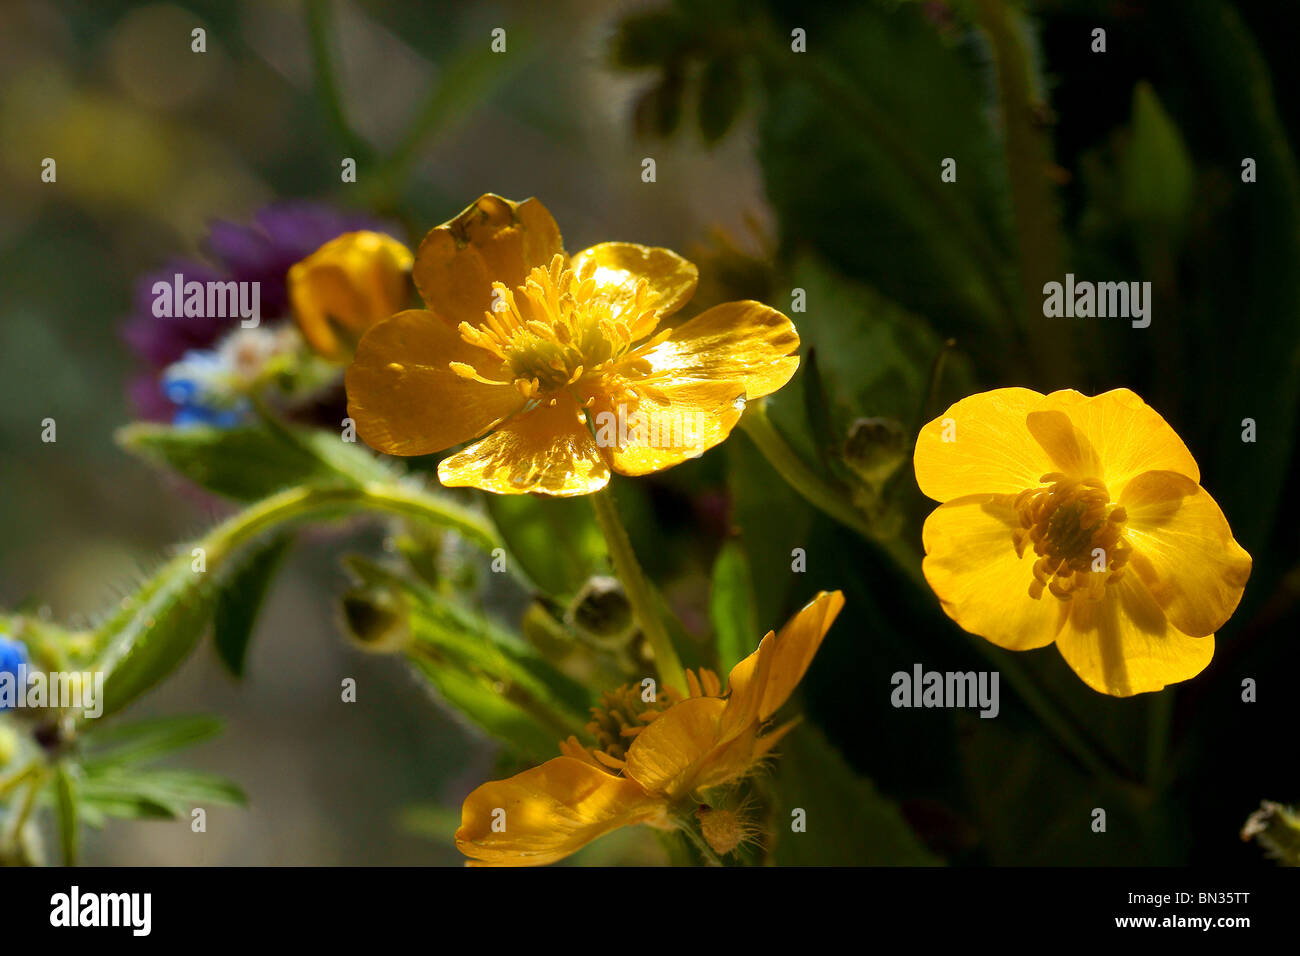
(346, 286)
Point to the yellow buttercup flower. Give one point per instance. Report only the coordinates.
(1081, 521)
(346, 286)
(652, 762)
(561, 358)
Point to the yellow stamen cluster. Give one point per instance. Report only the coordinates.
(1073, 527)
(623, 713)
(560, 329)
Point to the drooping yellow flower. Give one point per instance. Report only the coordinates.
(652, 762)
(562, 359)
(346, 286)
(1081, 521)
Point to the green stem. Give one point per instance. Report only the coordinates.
(14, 781)
(25, 809)
(300, 504)
(1159, 718)
(819, 492)
(826, 498)
(639, 592)
(1033, 204)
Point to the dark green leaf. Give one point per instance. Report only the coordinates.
(849, 822)
(240, 600)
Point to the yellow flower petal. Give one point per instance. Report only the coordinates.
(544, 450)
(404, 397)
(493, 240)
(675, 421)
(670, 756)
(982, 445)
(971, 564)
(796, 645)
(1128, 435)
(550, 811)
(744, 342)
(349, 283)
(619, 267)
(746, 686)
(1124, 645)
(1184, 551)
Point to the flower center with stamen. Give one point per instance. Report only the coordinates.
(622, 714)
(1077, 533)
(559, 329)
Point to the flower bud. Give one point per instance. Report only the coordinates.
(346, 286)
(601, 612)
(376, 621)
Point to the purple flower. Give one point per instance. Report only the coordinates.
(262, 251)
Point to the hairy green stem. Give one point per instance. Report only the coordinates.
(639, 592)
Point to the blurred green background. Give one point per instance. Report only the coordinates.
(775, 170)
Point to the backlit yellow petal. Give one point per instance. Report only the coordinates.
(981, 445)
(1184, 551)
(1124, 645)
(670, 756)
(548, 812)
(744, 342)
(972, 566)
(746, 686)
(1129, 436)
(493, 240)
(348, 284)
(544, 450)
(666, 425)
(671, 280)
(796, 645)
(404, 397)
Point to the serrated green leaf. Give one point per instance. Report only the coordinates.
(848, 821)
(240, 599)
(731, 606)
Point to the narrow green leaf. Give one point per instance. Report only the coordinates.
(146, 740)
(731, 606)
(240, 600)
